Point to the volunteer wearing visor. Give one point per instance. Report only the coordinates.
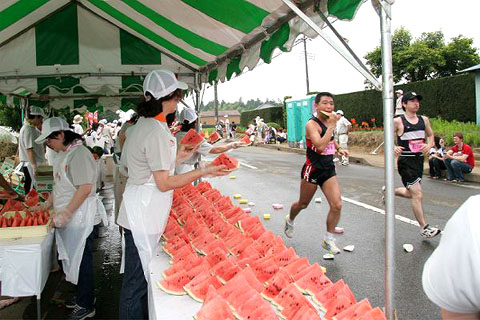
(75, 206)
(149, 155)
(31, 154)
(188, 120)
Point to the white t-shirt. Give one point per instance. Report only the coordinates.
(342, 125)
(398, 107)
(451, 276)
(26, 140)
(77, 128)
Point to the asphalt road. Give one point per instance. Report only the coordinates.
(267, 176)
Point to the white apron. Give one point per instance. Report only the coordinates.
(71, 239)
(147, 210)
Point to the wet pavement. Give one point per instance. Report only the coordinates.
(108, 281)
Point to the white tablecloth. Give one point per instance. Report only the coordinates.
(25, 264)
(164, 306)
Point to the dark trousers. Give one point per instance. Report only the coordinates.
(134, 295)
(27, 181)
(85, 285)
(456, 169)
(436, 167)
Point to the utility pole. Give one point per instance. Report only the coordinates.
(306, 63)
(215, 102)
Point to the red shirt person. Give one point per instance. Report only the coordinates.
(459, 159)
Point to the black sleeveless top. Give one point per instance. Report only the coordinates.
(413, 137)
(320, 159)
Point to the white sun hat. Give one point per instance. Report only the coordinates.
(51, 125)
(161, 83)
(37, 111)
(187, 114)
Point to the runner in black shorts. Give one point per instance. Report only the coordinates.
(319, 170)
(412, 131)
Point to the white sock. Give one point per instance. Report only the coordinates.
(290, 221)
(328, 236)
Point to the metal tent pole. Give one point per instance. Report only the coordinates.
(215, 102)
(387, 94)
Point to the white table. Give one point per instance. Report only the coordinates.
(25, 265)
(164, 306)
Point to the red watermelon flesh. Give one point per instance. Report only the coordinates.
(193, 271)
(185, 253)
(201, 242)
(211, 294)
(230, 162)
(7, 195)
(192, 138)
(212, 195)
(243, 262)
(252, 280)
(203, 186)
(216, 244)
(375, 314)
(228, 231)
(237, 298)
(256, 232)
(249, 223)
(238, 248)
(247, 305)
(217, 308)
(285, 257)
(214, 137)
(225, 200)
(314, 281)
(183, 265)
(31, 199)
(294, 267)
(275, 285)
(174, 284)
(237, 217)
(355, 311)
(266, 270)
(246, 140)
(231, 242)
(232, 212)
(293, 306)
(306, 313)
(217, 225)
(322, 297)
(289, 293)
(226, 270)
(264, 312)
(197, 288)
(336, 305)
(215, 256)
(277, 247)
(252, 250)
(298, 275)
(172, 247)
(233, 284)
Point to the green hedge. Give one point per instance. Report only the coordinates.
(449, 98)
(274, 114)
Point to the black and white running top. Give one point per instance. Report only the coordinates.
(413, 137)
(320, 159)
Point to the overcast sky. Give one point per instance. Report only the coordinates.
(328, 71)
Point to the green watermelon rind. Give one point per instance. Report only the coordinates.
(175, 293)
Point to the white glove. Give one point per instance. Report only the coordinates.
(62, 217)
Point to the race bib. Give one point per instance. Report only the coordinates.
(329, 149)
(416, 145)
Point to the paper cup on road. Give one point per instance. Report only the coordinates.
(318, 200)
(349, 248)
(243, 201)
(251, 204)
(277, 206)
(247, 210)
(339, 230)
(323, 269)
(408, 247)
(233, 177)
(237, 196)
(328, 256)
(266, 216)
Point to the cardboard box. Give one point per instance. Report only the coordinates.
(24, 232)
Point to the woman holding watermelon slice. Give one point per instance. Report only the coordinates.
(149, 156)
(75, 204)
(188, 120)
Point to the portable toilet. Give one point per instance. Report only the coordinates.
(299, 111)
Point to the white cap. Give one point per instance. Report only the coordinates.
(103, 121)
(226, 116)
(115, 121)
(399, 91)
(37, 111)
(187, 114)
(51, 125)
(339, 112)
(161, 83)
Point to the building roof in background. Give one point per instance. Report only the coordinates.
(474, 68)
(221, 113)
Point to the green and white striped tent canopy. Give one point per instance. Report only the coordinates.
(95, 53)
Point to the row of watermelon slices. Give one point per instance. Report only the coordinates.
(225, 258)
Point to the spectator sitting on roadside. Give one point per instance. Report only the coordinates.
(435, 159)
(459, 159)
(450, 276)
(271, 135)
(282, 135)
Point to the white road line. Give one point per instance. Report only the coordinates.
(378, 210)
(248, 166)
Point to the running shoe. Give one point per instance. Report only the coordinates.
(288, 227)
(72, 302)
(430, 232)
(330, 246)
(80, 313)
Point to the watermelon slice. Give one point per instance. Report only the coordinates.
(249, 223)
(203, 186)
(263, 311)
(289, 310)
(355, 311)
(325, 115)
(285, 257)
(336, 305)
(226, 270)
(314, 281)
(7, 195)
(266, 270)
(275, 285)
(246, 140)
(211, 294)
(192, 138)
(214, 137)
(197, 288)
(31, 199)
(239, 247)
(183, 265)
(322, 297)
(375, 314)
(174, 284)
(294, 267)
(215, 256)
(230, 162)
(217, 308)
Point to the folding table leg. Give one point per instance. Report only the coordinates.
(39, 313)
